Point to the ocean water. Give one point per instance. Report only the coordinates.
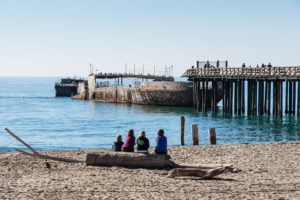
(30, 110)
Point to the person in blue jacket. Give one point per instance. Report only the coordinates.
(117, 146)
(161, 142)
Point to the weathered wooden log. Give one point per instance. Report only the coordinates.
(201, 166)
(197, 172)
(46, 157)
(20, 140)
(136, 160)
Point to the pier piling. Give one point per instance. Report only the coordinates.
(299, 98)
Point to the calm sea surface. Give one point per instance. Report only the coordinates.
(30, 110)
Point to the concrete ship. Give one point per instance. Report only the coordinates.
(166, 93)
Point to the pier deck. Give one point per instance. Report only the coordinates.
(270, 73)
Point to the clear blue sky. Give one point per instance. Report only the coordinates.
(61, 37)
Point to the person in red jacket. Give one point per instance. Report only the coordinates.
(129, 143)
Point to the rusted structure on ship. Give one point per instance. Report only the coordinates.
(264, 88)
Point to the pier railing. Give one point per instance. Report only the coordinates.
(245, 73)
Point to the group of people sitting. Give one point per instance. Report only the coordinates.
(142, 142)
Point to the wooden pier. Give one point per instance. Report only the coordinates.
(120, 76)
(263, 93)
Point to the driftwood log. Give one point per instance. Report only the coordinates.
(204, 174)
(136, 160)
(38, 155)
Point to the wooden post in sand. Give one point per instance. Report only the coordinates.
(182, 119)
(212, 136)
(195, 134)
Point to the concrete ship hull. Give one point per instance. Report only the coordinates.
(67, 87)
(166, 93)
(145, 95)
(65, 91)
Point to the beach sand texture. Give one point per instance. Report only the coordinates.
(265, 171)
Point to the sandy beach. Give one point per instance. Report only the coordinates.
(263, 171)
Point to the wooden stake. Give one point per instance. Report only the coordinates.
(182, 122)
(195, 134)
(212, 136)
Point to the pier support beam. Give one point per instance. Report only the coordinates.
(280, 99)
(255, 98)
(261, 97)
(299, 98)
(235, 97)
(290, 97)
(203, 96)
(249, 97)
(275, 102)
(239, 99)
(206, 96)
(224, 96)
(243, 96)
(269, 98)
(230, 96)
(294, 97)
(194, 94)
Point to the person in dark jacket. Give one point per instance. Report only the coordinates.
(142, 143)
(117, 146)
(129, 143)
(161, 142)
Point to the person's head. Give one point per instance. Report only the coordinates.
(130, 132)
(142, 134)
(119, 138)
(160, 132)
